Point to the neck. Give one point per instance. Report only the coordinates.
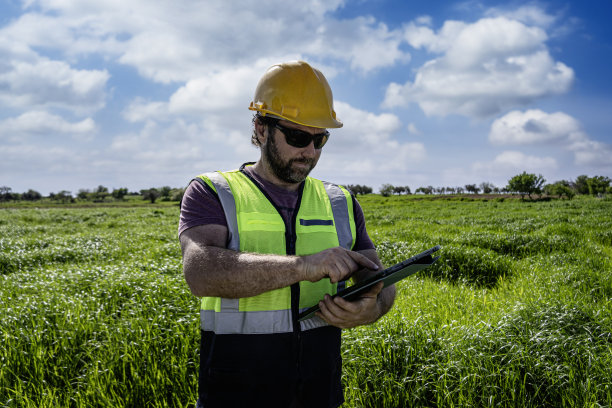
(265, 172)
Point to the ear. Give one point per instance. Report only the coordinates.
(261, 131)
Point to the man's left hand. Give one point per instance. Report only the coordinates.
(344, 314)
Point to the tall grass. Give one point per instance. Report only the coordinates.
(94, 311)
(516, 313)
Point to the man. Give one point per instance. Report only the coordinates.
(262, 243)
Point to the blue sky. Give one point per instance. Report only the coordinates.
(140, 94)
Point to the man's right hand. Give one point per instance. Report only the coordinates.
(336, 263)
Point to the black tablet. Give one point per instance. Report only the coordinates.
(389, 276)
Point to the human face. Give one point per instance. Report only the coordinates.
(288, 163)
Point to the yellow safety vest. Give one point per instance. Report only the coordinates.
(324, 219)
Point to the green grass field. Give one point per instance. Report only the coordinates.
(516, 313)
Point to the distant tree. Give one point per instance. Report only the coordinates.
(119, 193)
(84, 194)
(598, 185)
(5, 193)
(424, 190)
(459, 190)
(359, 189)
(386, 190)
(560, 188)
(177, 194)
(407, 190)
(472, 188)
(150, 194)
(486, 187)
(526, 183)
(164, 193)
(398, 190)
(451, 190)
(31, 195)
(63, 196)
(100, 193)
(581, 185)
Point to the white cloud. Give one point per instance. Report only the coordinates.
(139, 110)
(486, 67)
(228, 89)
(181, 41)
(412, 129)
(535, 126)
(512, 161)
(24, 160)
(47, 83)
(368, 144)
(530, 14)
(46, 124)
(593, 154)
(363, 42)
(555, 129)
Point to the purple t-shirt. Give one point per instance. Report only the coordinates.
(201, 206)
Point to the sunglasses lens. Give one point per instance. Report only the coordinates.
(297, 138)
(300, 139)
(320, 140)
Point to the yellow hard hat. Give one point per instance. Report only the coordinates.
(296, 92)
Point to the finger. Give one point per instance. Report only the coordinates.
(334, 311)
(351, 307)
(326, 315)
(363, 260)
(343, 267)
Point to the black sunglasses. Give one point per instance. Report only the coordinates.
(300, 139)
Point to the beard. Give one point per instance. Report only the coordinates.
(284, 169)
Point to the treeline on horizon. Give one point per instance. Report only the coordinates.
(524, 184)
(100, 194)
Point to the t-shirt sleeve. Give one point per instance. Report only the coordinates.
(362, 239)
(200, 206)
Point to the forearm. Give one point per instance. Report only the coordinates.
(214, 271)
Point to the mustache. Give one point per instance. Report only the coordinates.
(303, 160)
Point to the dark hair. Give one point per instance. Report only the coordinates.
(264, 120)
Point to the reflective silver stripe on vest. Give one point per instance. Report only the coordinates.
(263, 322)
(229, 208)
(312, 323)
(341, 214)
